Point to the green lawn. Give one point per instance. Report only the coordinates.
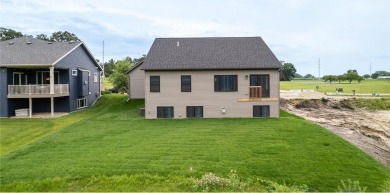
(110, 148)
(368, 86)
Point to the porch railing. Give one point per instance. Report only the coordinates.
(37, 89)
(255, 92)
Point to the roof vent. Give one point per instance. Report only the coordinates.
(177, 43)
(50, 42)
(11, 43)
(71, 42)
(29, 43)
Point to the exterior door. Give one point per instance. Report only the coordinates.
(263, 81)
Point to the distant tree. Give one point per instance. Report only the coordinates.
(367, 76)
(329, 78)
(383, 73)
(374, 75)
(136, 60)
(360, 78)
(108, 67)
(63, 37)
(298, 75)
(118, 77)
(308, 76)
(43, 37)
(7, 34)
(341, 78)
(287, 72)
(351, 75)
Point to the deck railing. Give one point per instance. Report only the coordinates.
(37, 89)
(255, 92)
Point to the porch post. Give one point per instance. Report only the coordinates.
(30, 107)
(51, 80)
(52, 106)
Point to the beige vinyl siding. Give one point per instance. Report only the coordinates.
(137, 83)
(202, 94)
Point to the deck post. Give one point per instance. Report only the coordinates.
(51, 80)
(52, 106)
(30, 107)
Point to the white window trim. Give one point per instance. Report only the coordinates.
(78, 103)
(95, 77)
(74, 72)
(20, 78)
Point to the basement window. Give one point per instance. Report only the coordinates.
(81, 103)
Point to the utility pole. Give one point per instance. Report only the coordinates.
(370, 71)
(319, 68)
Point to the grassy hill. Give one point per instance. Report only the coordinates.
(110, 148)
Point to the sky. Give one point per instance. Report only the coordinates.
(337, 34)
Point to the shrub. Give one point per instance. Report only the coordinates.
(350, 186)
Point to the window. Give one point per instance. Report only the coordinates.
(43, 77)
(154, 83)
(186, 83)
(194, 111)
(225, 83)
(164, 112)
(19, 78)
(74, 72)
(261, 111)
(81, 103)
(95, 77)
(263, 81)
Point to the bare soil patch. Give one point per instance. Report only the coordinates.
(368, 130)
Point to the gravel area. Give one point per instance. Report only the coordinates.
(44, 115)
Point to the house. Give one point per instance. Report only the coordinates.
(42, 76)
(211, 77)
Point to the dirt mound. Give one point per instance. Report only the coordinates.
(368, 130)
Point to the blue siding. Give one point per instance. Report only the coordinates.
(3, 93)
(61, 104)
(79, 58)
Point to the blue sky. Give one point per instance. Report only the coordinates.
(345, 34)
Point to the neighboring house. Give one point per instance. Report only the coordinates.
(44, 76)
(136, 78)
(208, 77)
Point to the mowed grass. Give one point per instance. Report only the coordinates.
(110, 148)
(368, 86)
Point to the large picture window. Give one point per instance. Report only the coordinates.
(186, 83)
(154, 83)
(261, 111)
(263, 81)
(165, 112)
(194, 111)
(225, 83)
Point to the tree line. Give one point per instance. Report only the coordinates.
(59, 36)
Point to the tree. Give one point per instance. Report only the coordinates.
(367, 76)
(360, 78)
(118, 77)
(341, 78)
(298, 75)
(374, 75)
(7, 34)
(308, 76)
(108, 67)
(329, 78)
(42, 37)
(351, 75)
(63, 36)
(287, 72)
(136, 60)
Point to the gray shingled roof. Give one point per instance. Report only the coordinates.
(17, 52)
(210, 53)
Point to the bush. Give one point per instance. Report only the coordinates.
(350, 186)
(106, 92)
